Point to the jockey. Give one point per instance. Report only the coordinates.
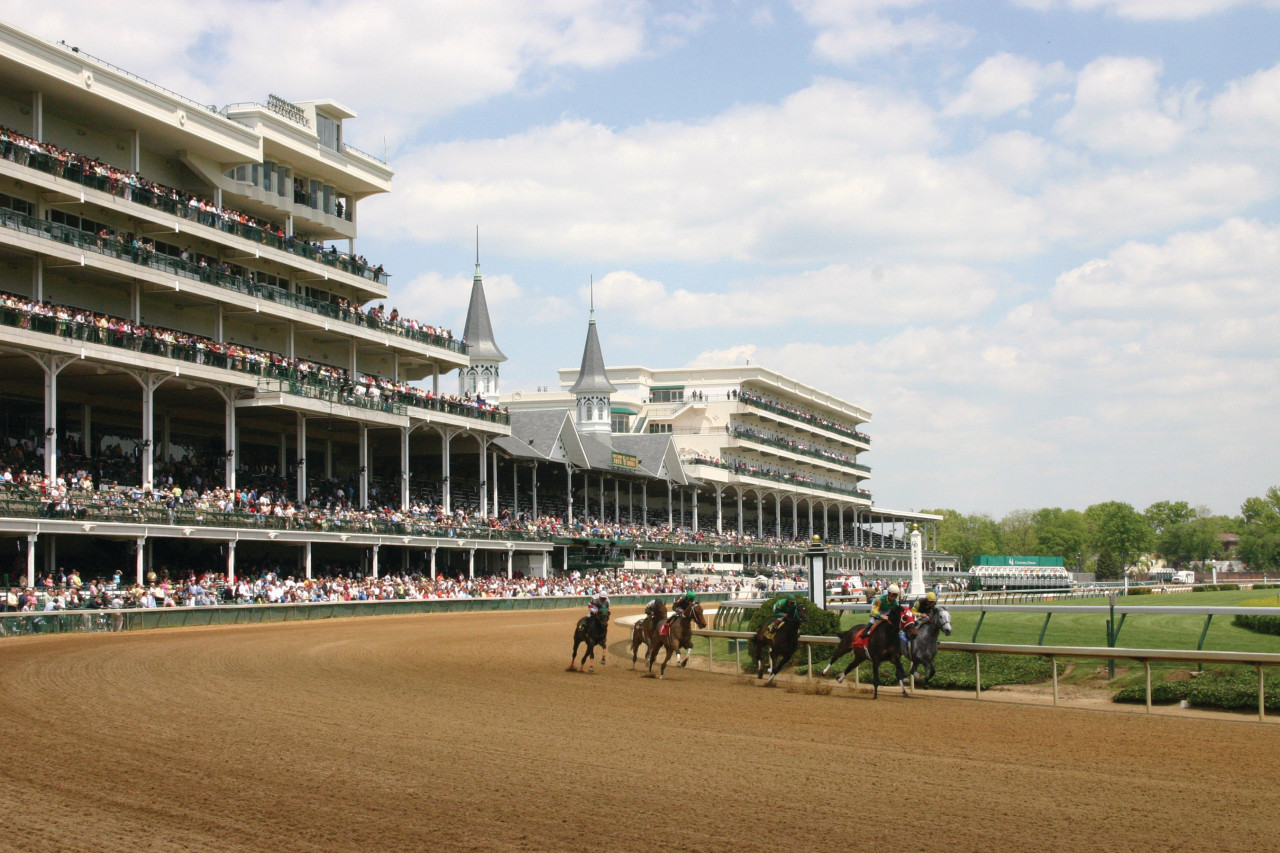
(884, 607)
(599, 607)
(654, 612)
(786, 606)
(683, 605)
(925, 606)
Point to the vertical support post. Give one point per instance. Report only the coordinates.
(433, 563)
(404, 468)
(231, 561)
(374, 561)
(140, 558)
(31, 560)
(471, 563)
(977, 677)
(1053, 664)
(364, 467)
(1147, 665)
(306, 559)
(302, 458)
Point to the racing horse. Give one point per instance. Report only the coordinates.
(644, 632)
(674, 636)
(592, 630)
(777, 645)
(922, 649)
(881, 645)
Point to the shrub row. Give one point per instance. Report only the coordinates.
(1215, 587)
(1260, 624)
(1230, 690)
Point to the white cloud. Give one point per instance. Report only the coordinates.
(396, 64)
(1229, 274)
(1150, 10)
(849, 33)
(1118, 109)
(1247, 112)
(839, 295)
(1004, 83)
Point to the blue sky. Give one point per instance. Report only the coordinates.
(1038, 239)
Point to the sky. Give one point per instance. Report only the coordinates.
(1039, 240)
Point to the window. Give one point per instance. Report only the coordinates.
(667, 395)
(620, 423)
(330, 132)
(659, 428)
(11, 203)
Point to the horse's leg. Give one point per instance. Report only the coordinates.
(663, 669)
(841, 651)
(573, 656)
(858, 657)
(902, 676)
(604, 645)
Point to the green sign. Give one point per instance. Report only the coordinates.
(622, 460)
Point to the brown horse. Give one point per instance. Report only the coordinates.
(644, 632)
(776, 646)
(592, 630)
(678, 636)
(882, 645)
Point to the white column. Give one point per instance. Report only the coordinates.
(231, 561)
(290, 349)
(484, 491)
(364, 466)
(306, 558)
(31, 559)
(139, 560)
(617, 504)
(739, 511)
(404, 468)
(446, 488)
(535, 489)
(671, 522)
(37, 116)
(510, 569)
(568, 471)
(515, 488)
(302, 458)
(471, 563)
(695, 510)
(644, 505)
(825, 529)
(433, 563)
(374, 560)
(229, 443)
(493, 475)
(719, 509)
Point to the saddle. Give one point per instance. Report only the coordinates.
(664, 629)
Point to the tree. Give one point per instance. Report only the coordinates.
(1117, 530)
(1061, 533)
(1016, 534)
(1186, 541)
(1162, 515)
(1260, 534)
(966, 536)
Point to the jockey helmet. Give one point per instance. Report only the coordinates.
(894, 589)
(932, 596)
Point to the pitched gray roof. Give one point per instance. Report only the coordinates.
(478, 331)
(539, 430)
(591, 376)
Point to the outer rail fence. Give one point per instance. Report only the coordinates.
(1256, 659)
(136, 619)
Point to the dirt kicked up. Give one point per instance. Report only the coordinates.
(465, 732)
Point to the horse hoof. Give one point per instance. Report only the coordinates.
(840, 678)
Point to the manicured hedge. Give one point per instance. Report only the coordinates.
(955, 670)
(1215, 587)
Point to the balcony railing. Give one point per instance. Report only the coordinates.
(747, 471)
(802, 449)
(74, 171)
(113, 247)
(277, 373)
(807, 418)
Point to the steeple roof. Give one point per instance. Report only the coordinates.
(591, 376)
(479, 331)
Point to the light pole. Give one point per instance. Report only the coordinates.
(816, 557)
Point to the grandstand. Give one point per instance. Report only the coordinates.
(200, 370)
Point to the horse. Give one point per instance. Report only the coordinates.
(881, 645)
(778, 645)
(591, 630)
(679, 635)
(924, 647)
(645, 630)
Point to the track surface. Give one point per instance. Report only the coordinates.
(465, 732)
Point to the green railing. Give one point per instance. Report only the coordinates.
(114, 248)
(803, 449)
(166, 202)
(800, 417)
(105, 621)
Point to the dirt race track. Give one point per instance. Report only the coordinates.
(465, 732)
